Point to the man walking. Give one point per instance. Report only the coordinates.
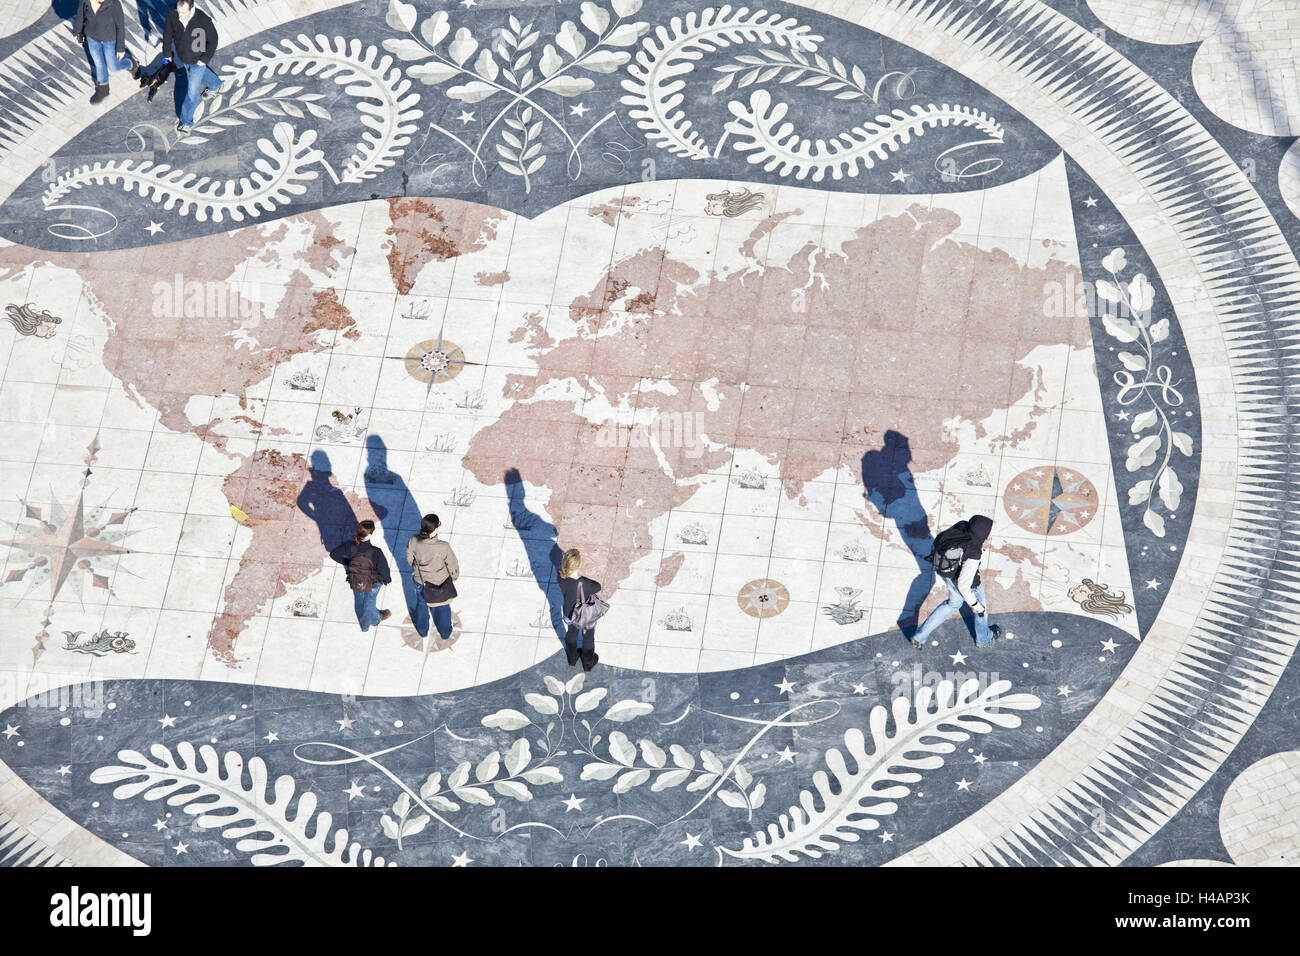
(956, 558)
(190, 36)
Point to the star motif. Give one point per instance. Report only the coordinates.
(11, 731)
(468, 3)
(980, 758)
(346, 723)
(859, 688)
(573, 803)
(354, 791)
(958, 658)
(167, 721)
(785, 687)
(1153, 585)
(692, 841)
(786, 754)
(153, 228)
(1109, 645)
(64, 769)
(963, 784)
(271, 737)
(465, 117)
(1063, 690)
(578, 110)
(160, 825)
(1090, 202)
(898, 177)
(1121, 416)
(68, 546)
(181, 847)
(462, 859)
(886, 837)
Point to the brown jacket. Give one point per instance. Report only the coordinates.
(432, 560)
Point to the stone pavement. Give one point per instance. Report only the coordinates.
(745, 305)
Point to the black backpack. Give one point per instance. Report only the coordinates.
(949, 550)
(361, 574)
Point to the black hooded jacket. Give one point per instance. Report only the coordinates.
(976, 530)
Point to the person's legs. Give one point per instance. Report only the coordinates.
(983, 633)
(208, 78)
(589, 656)
(940, 614)
(367, 612)
(193, 90)
(100, 51)
(571, 643)
(442, 620)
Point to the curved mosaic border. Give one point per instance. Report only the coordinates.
(1199, 678)
(1223, 636)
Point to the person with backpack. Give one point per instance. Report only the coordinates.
(367, 569)
(190, 36)
(581, 609)
(956, 558)
(101, 26)
(435, 569)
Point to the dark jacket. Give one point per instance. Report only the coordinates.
(569, 588)
(345, 552)
(105, 26)
(978, 527)
(195, 42)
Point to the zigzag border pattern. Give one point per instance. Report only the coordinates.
(20, 847)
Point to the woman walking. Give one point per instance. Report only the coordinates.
(101, 26)
(367, 569)
(435, 569)
(576, 589)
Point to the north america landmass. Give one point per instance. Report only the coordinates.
(806, 362)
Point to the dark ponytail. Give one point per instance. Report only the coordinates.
(364, 530)
(428, 525)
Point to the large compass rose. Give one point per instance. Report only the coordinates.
(1050, 500)
(64, 541)
(434, 361)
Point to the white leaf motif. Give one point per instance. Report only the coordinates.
(682, 757)
(625, 34)
(626, 710)
(711, 763)
(1139, 493)
(1140, 294)
(488, 767)
(732, 799)
(405, 49)
(594, 18)
(401, 16)
(600, 771)
(517, 756)
(626, 8)
(1143, 453)
(1132, 362)
(214, 793)
(569, 39)
(462, 47)
(554, 685)
(1155, 522)
(633, 778)
(542, 703)
(575, 683)
(435, 28)
(506, 720)
(1144, 420)
(1121, 329)
(839, 813)
(543, 775)
(566, 85)
(513, 788)
(1171, 489)
(1160, 330)
(621, 749)
(1108, 290)
(1115, 261)
(590, 700)
(1182, 441)
(670, 778)
(652, 754)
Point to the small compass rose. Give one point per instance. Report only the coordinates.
(434, 361)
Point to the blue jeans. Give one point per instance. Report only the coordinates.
(952, 606)
(103, 53)
(366, 608)
(197, 76)
(442, 619)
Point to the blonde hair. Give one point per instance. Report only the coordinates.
(569, 562)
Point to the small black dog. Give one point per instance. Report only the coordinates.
(156, 81)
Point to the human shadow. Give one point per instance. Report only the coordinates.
(399, 517)
(891, 489)
(325, 503)
(539, 538)
(153, 14)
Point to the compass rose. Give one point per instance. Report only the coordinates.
(1050, 500)
(434, 361)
